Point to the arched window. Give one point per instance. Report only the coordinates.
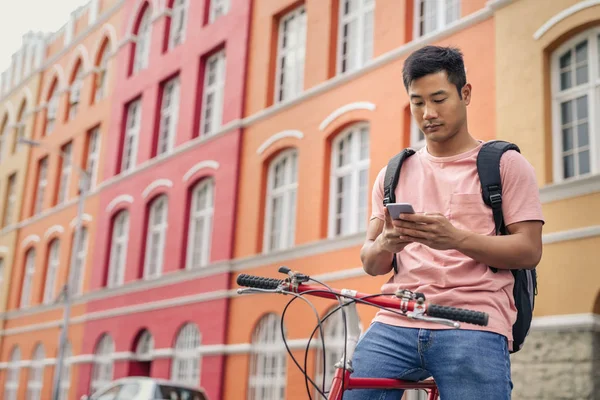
(80, 254)
(118, 249)
(355, 36)
(52, 107)
(145, 346)
(156, 237)
(52, 271)
(75, 93)
(65, 375)
(20, 126)
(576, 99)
(280, 216)
(102, 370)
(101, 72)
(11, 386)
(4, 128)
(142, 44)
(36, 373)
(186, 361)
(28, 278)
(178, 23)
(267, 361)
(349, 181)
(200, 225)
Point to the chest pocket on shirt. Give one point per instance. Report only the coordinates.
(469, 212)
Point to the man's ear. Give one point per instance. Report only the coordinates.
(466, 93)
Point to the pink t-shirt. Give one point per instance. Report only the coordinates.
(450, 186)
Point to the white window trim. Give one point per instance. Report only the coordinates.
(65, 173)
(28, 278)
(65, 380)
(75, 93)
(51, 112)
(93, 155)
(441, 8)
(141, 54)
(161, 230)
(267, 343)
(116, 268)
(11, 200)
(171, 111)
(179, 15)
(185, 354)
(359, 51)
(592, 90)
(3, 139)
(145, 346)
(80, 257)
(288, 219)
(52, 271)
(208, 215)
(355, 167)
(35, 383)
(103, 362)
(217, 89)
(101, 78)
(11, 387)
(214, 4)
(41, 186)
(299, 15)
(128, 164)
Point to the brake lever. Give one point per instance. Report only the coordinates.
(421, 317)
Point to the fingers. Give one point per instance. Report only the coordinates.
(388, 218)
(427, 218)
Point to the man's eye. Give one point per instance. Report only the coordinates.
(419, 104)
(440, 101)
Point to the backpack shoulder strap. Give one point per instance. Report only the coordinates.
(488, 167)
(390, 181)
(392, 175)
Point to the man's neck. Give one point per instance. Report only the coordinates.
(458, 144)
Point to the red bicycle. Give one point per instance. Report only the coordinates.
(403, 302)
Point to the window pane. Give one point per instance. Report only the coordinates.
(582, 135)
(582, 107)
(567, 139)
(568, 166)
(584, 162)
(566, 112)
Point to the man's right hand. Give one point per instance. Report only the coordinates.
(389, 239)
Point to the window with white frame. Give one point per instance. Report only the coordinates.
(11, 200)
(333, 330)
(200, 228)
(102, 69)
(41, 185)
(65, 373)
(178, 23)
(1, 274)
(131, 136)
(36, 374)
(75, 94)
(20, 127)
(186, 359)
(169, 115)
(51, 271)
(51, 111)
(217, 8)
(142, 43)
(118, 249)
(145, 346)
(355, 36)
(102, 370)
(11, 384)
(280, 216)
(576, 106)
(156, 237)
(65, 173)
(291, 51)
(93, 154)
(417, 138)
(267, 361)
(433, 15)
(349, 181)
(79, 253)
(3, 137)
(212, 97)
(27, 278)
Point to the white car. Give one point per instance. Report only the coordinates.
(143, 388)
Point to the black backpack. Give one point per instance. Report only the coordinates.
(488, 168)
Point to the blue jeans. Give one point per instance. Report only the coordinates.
(465, 364)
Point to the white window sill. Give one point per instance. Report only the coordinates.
(570, 189)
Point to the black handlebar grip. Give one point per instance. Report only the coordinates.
(458, 314)
(258, 282)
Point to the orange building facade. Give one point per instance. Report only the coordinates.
(71, 114)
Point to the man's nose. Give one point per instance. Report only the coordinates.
(429, 113)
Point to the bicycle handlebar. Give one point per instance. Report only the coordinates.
(432, 310)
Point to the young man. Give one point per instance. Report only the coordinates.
(446, 248)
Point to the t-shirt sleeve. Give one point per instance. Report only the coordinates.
(377, 196)
(520, 192)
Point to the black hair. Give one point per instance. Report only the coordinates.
(433, 59)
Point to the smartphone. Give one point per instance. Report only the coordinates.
(396, 209)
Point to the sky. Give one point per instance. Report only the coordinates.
(20, 16)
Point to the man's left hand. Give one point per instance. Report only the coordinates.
(433, 230)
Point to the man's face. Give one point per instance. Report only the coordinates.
(436, 106)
